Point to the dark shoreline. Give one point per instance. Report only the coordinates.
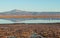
(29, 23)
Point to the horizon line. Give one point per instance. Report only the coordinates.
(28, 10)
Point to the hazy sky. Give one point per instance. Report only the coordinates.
(30, 5)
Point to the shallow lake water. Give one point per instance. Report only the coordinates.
(5, 21)
(2, 21)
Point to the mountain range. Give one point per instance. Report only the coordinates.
(20, 12)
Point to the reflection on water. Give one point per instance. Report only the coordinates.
(40, 21)
(2, 21)
(29, 20)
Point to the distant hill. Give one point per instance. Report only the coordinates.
(20, 12)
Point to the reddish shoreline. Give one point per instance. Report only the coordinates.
(29, 16)
(50, 30)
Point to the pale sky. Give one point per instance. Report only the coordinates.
(30, 5)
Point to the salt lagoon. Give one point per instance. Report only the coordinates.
(4, 21)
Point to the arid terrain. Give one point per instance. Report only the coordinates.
(29, 16)
(47, 30)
